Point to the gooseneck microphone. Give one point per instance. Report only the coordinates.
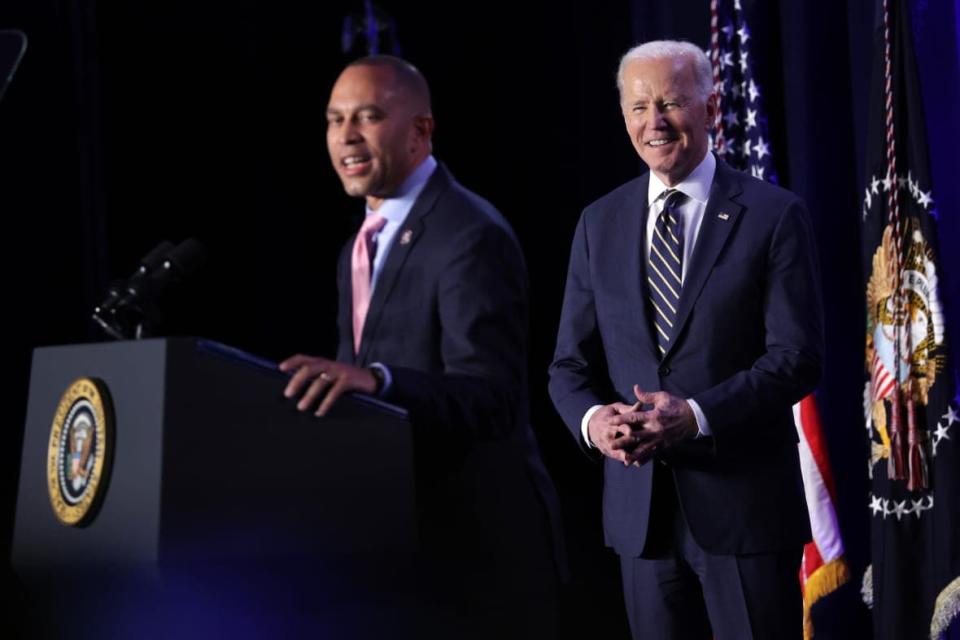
(132, 306)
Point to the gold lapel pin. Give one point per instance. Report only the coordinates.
(405, 236)
(723, 215)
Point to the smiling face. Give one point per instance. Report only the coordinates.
(378, 132)
(667, 116)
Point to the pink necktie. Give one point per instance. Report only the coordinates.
(364, 249)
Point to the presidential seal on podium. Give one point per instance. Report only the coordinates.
(80, 451)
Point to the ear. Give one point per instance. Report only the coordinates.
(423, 128)
(713, 109)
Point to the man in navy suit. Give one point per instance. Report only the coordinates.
(691, 323)
(433, 317)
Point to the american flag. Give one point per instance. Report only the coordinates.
(740, 134)
(740, 137)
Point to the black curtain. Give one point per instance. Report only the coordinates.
(130, 123)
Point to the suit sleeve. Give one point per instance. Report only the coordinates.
(482, 307)
(792, 362)
(578, 375)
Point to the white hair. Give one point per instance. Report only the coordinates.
(660, 49)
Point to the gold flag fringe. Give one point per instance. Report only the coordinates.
(946, 609)
(824, 580)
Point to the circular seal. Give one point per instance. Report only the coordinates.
(80, 451)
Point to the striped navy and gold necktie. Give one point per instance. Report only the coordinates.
(666, 267)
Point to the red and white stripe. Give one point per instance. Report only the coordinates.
(719, 142)
(882, 381)
(824, 567)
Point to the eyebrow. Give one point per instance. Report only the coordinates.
(679, 97)
(363, 107)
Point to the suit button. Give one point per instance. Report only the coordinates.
(664, 371)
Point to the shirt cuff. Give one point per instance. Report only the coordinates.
(702, 423)
(585, 423)
(387, 378)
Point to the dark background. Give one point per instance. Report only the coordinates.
(133, 122)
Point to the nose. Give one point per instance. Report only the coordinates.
(656, 118)
(349, 133)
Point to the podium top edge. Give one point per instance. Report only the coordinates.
(226, 352)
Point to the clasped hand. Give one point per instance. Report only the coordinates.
(319, 375)
(633, 434)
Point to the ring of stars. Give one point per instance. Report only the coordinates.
(904, 184)
(885, 507)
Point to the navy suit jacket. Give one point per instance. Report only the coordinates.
(747, 345)
(448, 317)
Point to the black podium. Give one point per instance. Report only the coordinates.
(224, 510)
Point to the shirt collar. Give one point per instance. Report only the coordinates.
(396, 207)
(695, 186)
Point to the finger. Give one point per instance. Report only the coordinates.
(338, 388)
(620, 407)
(646, 436)
(643, 453)
(640, 454)
(294, 362)
(650, 419)
(614, 454)
(629, 441)
(644, 397)
(609, 434)
(626, 442)
(639, 449)
(631, 419)
(289, 363)
(297, 380)
(315, 390)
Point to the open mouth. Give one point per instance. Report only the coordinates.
(660, 142)
(355, 164)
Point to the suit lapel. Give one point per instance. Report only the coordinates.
(719, 219)
(407, 236)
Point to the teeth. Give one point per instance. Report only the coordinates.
(352, 160)
(658, 143)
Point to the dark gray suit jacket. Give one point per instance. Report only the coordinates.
(449, 318)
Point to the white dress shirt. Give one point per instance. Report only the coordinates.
(395, 209)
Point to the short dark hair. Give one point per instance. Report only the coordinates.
(407, 75)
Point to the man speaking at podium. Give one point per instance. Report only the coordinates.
(433, 317)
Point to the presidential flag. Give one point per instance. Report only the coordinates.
(910, 403)
(741, 138)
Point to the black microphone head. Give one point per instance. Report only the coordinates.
(186, 258)
(157, 255)
(150, 262)
(132, 309)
